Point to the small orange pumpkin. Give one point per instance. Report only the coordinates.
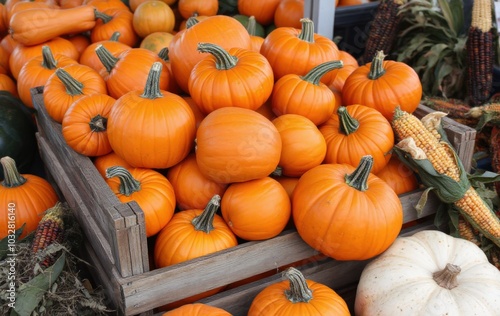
(103, 162)
(89, 57)
(197, 309)
(164, 18)
(188, 8)
(398, 176)
(114, 20)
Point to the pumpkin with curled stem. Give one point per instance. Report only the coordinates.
(429, 273)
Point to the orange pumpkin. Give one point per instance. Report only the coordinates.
(4, 61)
(164, 18)
(297, 295)
(113, 45)
(245, 76)
(156, 41)
(129, 70)
(291, 50)
(102, 5)
(256, 209)
(221, 30)
(84, 125)
(163, 129)
(23, 198)
(303, 145)
(288, 183)
(8, 84)
(398, 176)
(81, 41)
(198, 115)
(103, 162)
(288, 13)
(197, 309)
(385, 85)
(150, 189)
(336, 80)
(68, 84)
(37, 71)
(262, 10)
(305, 95)
(192, 189)
(356, 131)
(188, 8)
(114, 20)
(346, 212)
(22, 54)
(191, 234)
(236, 145)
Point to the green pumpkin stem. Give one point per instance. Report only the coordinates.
(205, 221)
(447, 278)
(163, 54)
(377, 66)
(358, 178)
(103, 16)
(98, 123)
(12, 177)
(73, 86)
(128, 184)
(307, 32)
(192, 20)
(223, 60)
(299, 292)
(48, 60)
(115, 36)
(347, 123)
(152, 88)
(314, 75)
(107, 59)
(251, 26)
(278, 172)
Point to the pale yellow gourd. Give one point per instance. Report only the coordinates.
(404, 279)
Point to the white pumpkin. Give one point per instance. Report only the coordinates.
(426, 274)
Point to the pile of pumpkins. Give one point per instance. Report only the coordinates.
(220, 135)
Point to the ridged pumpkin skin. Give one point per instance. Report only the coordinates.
(103, 162)
(192, 189)
(257, 209)
(342, 221)
(393, 84)
(218, 29)
(305, 297)
(398, 176)
(374, 136)
(23, 199)
(197, 309)
(235, 145)
(262, 10)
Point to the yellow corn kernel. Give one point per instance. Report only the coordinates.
(467, 232)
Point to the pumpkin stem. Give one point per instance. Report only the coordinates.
(152, 88)
(205, 221)
(314, 75)
(447, 278)
(107, 59)
(128, 184)
(278, 172)
(98, 123)
(251, 26)
(192, 20)
(103, 16)
(348, 124)
(223, 60)
(163, 54)
(115, 36)
(73, 86)
(48, 60)
(377, 66)
(299, 291)
(12, 177)
(307, 32)
(359, 177)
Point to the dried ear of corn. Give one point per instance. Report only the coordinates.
(480, 53)
(487, 113)
(50, 230)
(383, 29)
(443, 174)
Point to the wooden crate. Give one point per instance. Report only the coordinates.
(118, 247)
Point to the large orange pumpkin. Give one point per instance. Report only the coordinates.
(150, 127)
(150, 189)
(197, 309)
(236, 144)
(23, 198)
(355, 131)
(236, 77)
(297, 295)
(219, 29)
(262, 10)
(384, 85)
(256, 209)
(346, 212)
